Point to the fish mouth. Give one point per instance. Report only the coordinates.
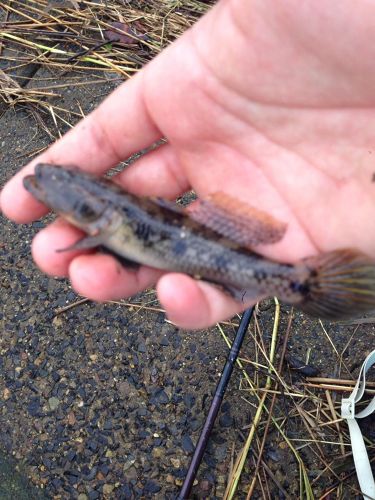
(50, 185)
(45, 177)
(30, 183)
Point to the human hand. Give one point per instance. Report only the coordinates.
(265, 100)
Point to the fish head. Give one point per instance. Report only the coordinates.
(63, 191)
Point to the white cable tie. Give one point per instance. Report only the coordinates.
(361, 460)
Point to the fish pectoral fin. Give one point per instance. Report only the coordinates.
(240, 222)
(89, 242)
(85, 243)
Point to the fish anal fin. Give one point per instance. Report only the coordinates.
(240, 222)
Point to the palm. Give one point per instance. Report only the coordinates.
(298, 146)
(283, 122)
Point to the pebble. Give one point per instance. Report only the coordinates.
(187, 444)
(160, 397)
(152, 487)
(108, 488)
(176, 462)
(226, 420)
(53, 403)
(33, 407)
(189, 400)
(142, 347)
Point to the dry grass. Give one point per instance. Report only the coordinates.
(286, 405)
(67, 41)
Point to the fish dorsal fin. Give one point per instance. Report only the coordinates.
(236, 220)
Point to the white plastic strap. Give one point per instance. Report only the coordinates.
(361, 461)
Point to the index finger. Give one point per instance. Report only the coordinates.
(120, 126)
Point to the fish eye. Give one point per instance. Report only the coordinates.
(84, 209)
(87, 210)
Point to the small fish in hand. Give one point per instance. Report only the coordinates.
(209, 241)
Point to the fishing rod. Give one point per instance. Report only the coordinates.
(215, 404)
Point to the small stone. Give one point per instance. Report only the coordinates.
(160, 397)
(71, 418)
(205, 486)
(39, 360)
(104, 469)
(92, 445)
(33, 407)
(274, 455)
(128, 464)
(107, 426)
(71, 455)
(57, 484)
(53, 403)
(108, 488)
(189, 400)
(195, 424)
(57, 321)
(152, 486)
(226, 420)
(93, 357)
(91, 473)
(125, 389)
(220, 452)
(187, 444)
(142, 347)
(176, 462)
(82, 496)
(6, 394)
(157, 452)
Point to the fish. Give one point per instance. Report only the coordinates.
(212, 240)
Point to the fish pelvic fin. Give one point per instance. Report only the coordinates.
(340, 285)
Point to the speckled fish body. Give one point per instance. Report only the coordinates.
(158, 234)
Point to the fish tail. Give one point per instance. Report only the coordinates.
(339, 285)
